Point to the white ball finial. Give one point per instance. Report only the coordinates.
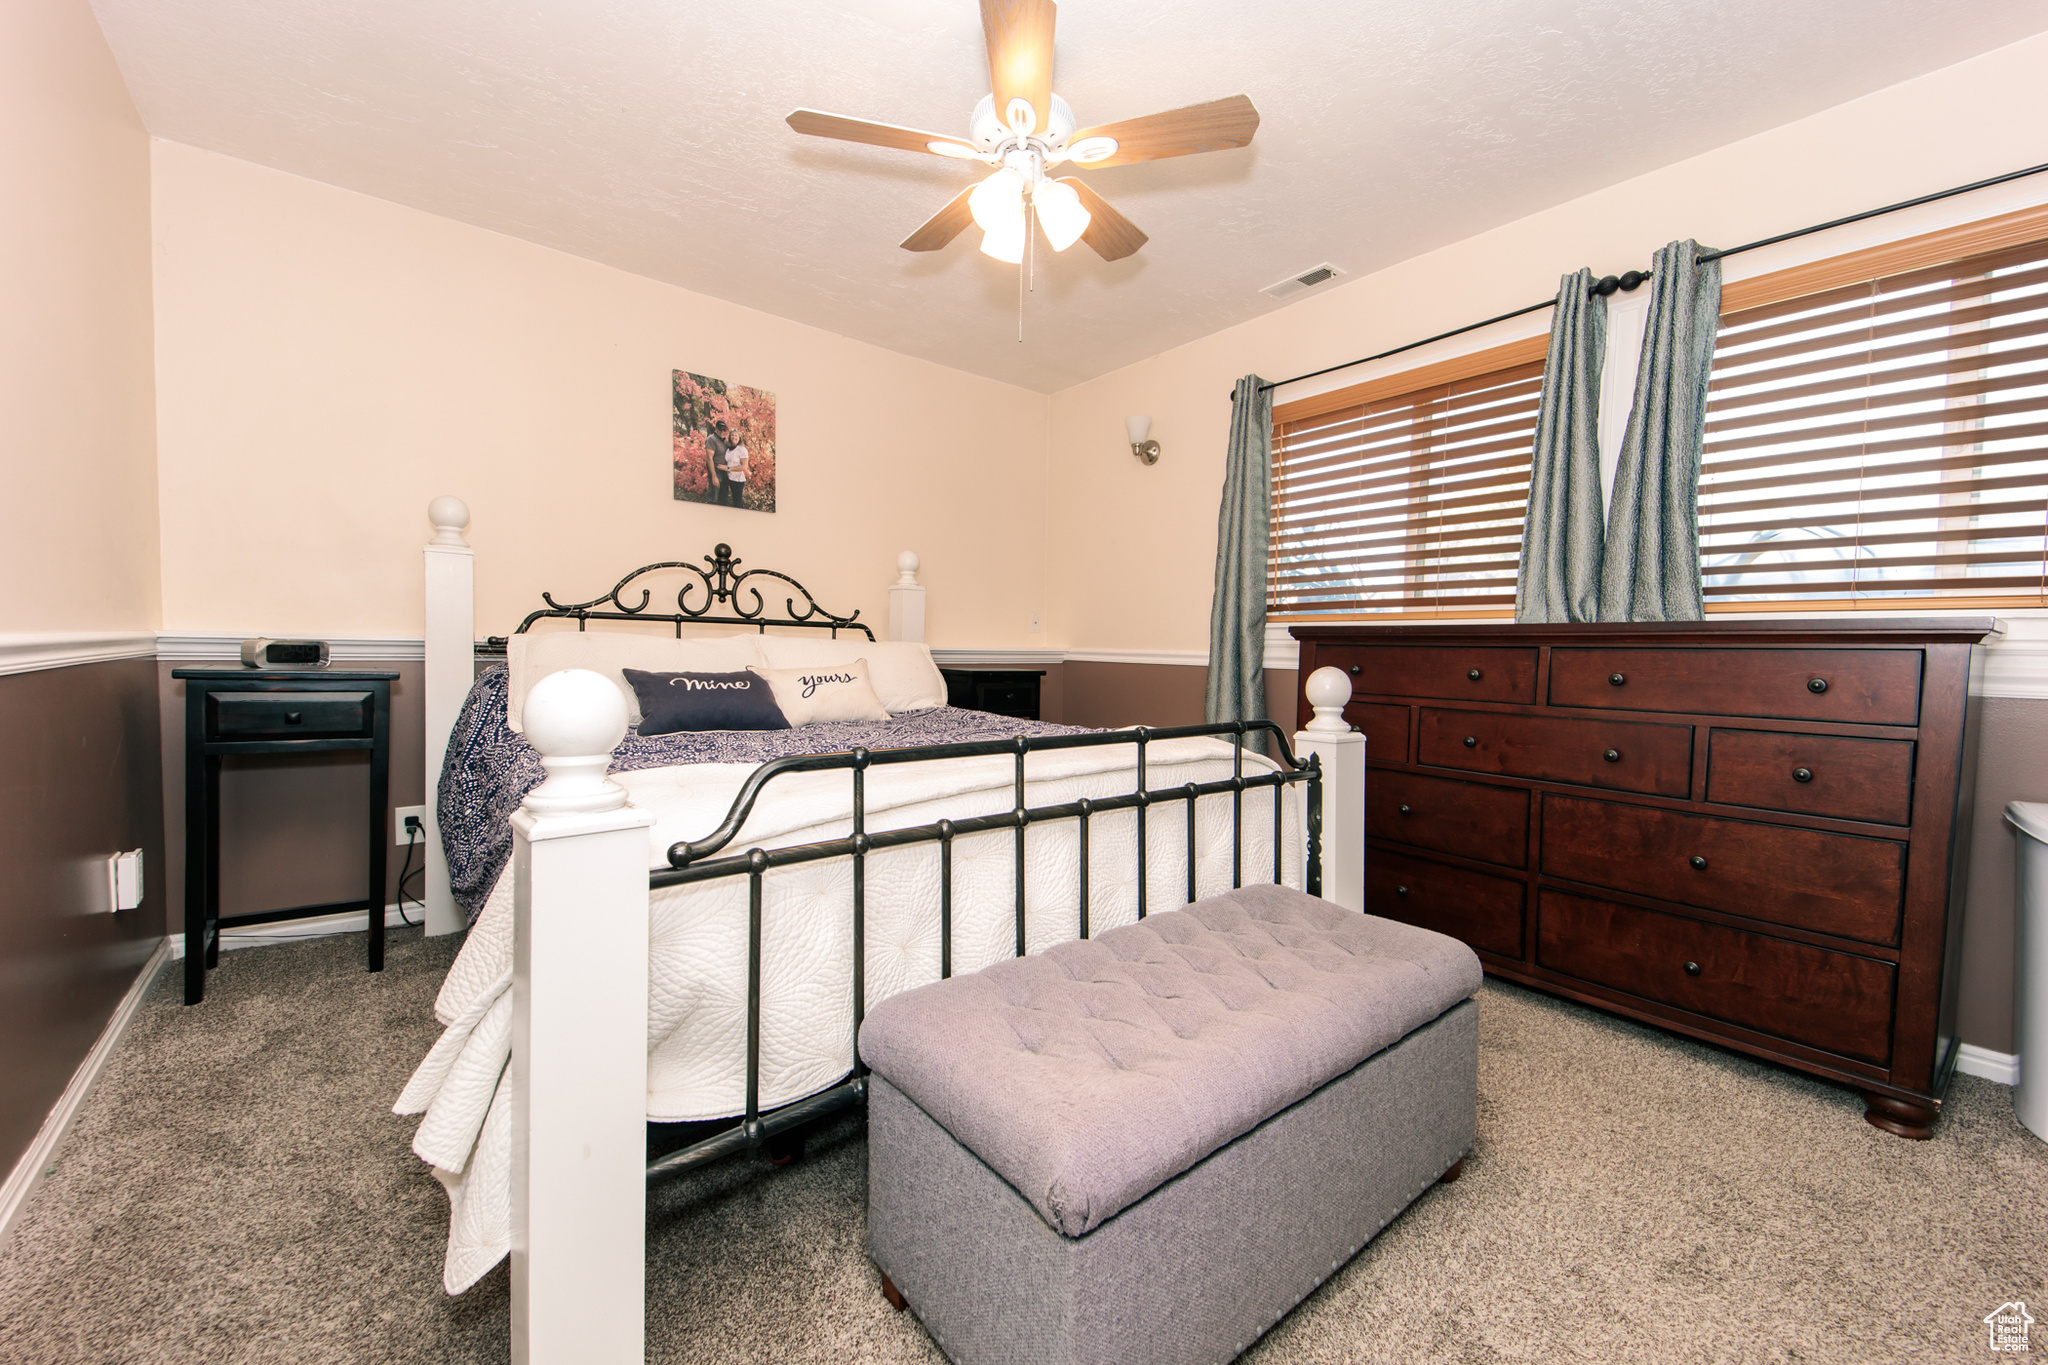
(906, 568)
(449, 516)
(575, 718)
(1328, 690)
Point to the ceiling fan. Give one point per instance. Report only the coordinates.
(1024, 130)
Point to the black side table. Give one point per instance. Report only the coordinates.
(237, 710)
(1004, 691)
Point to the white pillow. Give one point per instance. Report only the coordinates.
(902, 671)
(810, 695)
(533, 656)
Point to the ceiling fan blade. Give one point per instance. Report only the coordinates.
(943, 226)
(1019, 34)
(1111, 234)
(1211, 127)
(815, 124)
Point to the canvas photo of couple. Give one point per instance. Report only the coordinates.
(724, 443)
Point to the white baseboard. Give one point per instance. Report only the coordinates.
(284, 930)
(28, 1172)
(2002, 1067)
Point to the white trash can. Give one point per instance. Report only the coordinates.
(2030, 964)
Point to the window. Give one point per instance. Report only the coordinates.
(1406, 494)
(1883, 441)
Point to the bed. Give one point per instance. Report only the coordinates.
(787, 880)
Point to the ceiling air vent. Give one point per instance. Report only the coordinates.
(1307, 279)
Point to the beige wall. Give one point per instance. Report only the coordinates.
(78, 548)
(1151, 530)
(78, 541)
(329, 362)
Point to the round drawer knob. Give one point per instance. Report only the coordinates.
(1816, 685)
(1612, 755)
(1616, 679)
(1472, 674)
(1355, 670)
(293, 718)
(1471, 741)
(1692, 969)
(1699, 864)
(1802, 774)
(1405, 810)
(1400, 890)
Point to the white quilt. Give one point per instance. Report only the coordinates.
(696, 1028)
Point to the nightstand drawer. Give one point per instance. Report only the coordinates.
(1483, 911)
(289, 715)
(1858, 686)
(1444, 815)
(1837, 1002)
(1624, 755)
(1805, 878)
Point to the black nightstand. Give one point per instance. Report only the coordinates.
(1004, 691)
(237, 710)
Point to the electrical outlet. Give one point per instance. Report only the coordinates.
(1034, 623)
(398, 819)
(124, 881)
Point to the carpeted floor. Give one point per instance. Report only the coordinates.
(237, 1190)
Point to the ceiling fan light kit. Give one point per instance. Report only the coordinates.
(1023, 129)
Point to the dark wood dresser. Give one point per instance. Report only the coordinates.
(1750, 832)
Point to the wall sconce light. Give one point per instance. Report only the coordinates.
(1148, 451)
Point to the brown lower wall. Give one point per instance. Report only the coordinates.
(80, 781)
(2012, 766)
(291, 828)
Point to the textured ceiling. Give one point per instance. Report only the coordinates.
(649, 135)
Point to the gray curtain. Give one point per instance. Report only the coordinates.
(1237, 614)
(1651, 568)
(1559, 578)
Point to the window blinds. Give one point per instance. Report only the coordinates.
(1412, 503)
(1882, 441)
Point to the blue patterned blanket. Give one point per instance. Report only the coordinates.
(490, 767)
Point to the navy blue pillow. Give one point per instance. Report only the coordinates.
(674, 702)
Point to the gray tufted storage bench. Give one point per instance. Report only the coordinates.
(1148, 1146)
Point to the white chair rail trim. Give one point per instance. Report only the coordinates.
(2016, 668)
(65, 649)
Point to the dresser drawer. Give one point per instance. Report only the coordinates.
(1444, 815)
(1859, 686)
(1619, 754)
(1484, 911)
(288, 715)
(1803, 878)
(1385, 728)
(1849, 779)
(1475, 673)
(1836, 1002)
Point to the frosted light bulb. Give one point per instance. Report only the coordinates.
(1060, 213)
(998, 203)
(1005, 241)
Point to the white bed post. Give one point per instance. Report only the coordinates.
(906, 600)
(579, 1039)
(1342, 750)
(451, 668)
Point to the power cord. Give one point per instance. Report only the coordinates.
(406, 873)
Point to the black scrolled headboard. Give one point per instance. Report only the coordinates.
(720, 584)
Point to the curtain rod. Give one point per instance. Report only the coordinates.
(1611, 283)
